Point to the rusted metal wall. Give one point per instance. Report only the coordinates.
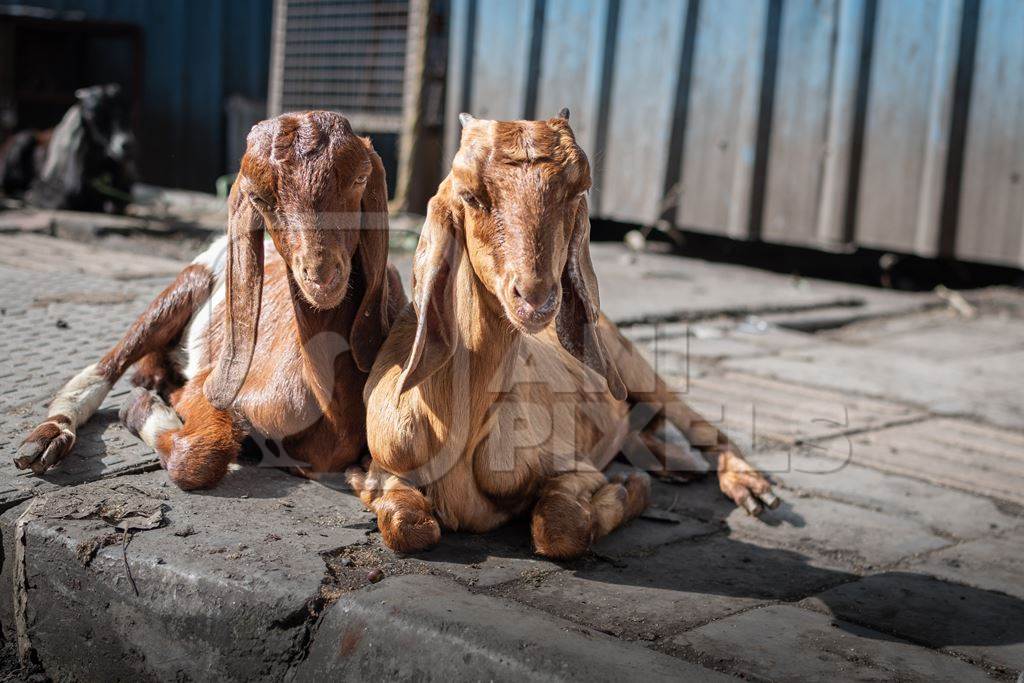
(888, 124)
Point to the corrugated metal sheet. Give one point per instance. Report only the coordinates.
(991, 211)
(196, 54)
(889, 124)
(347, 55)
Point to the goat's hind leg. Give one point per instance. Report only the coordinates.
(577, 508)
(737, 478)
(195, 452)
(404, 515)
(156, 371)
(154, 331)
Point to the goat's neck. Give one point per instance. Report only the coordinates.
(321, 335)
(488, 341)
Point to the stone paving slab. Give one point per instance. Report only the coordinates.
(781, 642)
(224, 587)
(480, 560)
(28, 289)
(985, 386)
(641, 287)
(46, 340)
(944, 511)
(435, 631)
(53, 255)
(940, 335)
(995, 563)
(843, 534)
(711, 341)
(682, 586)
(760, 413)
(981, 624)
(950, 452)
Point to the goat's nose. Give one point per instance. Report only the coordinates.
(322, 275)
(536, 294)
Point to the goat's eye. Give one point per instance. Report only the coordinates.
(471, 200)
(360, 180)
(260, 202)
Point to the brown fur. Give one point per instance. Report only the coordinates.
(279, 363)
(499, 389)
(160, 326)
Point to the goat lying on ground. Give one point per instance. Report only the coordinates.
(319, 191)
(500, 388)
(21, 158)
(86, 163)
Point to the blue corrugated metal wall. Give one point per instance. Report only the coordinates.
(889, 124)
(196, 53)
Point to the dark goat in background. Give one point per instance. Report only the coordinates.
(86, 163)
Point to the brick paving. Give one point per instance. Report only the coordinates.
(896, 440)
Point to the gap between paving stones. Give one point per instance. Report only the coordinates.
(737, 312)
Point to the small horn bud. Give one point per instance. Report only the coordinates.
(466, 119)
(563, 113)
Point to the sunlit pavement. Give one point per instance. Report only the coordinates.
(891, 423)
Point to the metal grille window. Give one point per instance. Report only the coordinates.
(345, 55)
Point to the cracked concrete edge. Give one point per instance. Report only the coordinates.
(85, 622)
(105, 631)
(19, 590)
(429, 628)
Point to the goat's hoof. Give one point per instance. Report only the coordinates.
(747, 487)
(46, 445)
(409, 531)
(638, 494)
(562, 527)
(136, 409)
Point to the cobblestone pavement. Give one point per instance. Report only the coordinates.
(895, 434)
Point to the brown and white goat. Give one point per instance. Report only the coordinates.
(245, 341)
(500, 388)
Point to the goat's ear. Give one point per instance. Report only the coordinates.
(372, 322)
(244, 293)
(577, 321)
(433, 290)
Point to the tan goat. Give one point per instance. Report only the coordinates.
(501, 387)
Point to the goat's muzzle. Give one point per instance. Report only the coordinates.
(532, 303)
(323, 281)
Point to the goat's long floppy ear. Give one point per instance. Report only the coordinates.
(433, 291)
(371, 325)
(578, 315)
(244, 293)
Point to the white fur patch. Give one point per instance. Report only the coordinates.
(81, 397)
(161, 419)
(64, 136)
(190, 356)
(195, 349)
(214, 257)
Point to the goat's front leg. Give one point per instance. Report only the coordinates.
(577, 508)
(153, 332)
(75, 403)
(196, 453)
(404, 515)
